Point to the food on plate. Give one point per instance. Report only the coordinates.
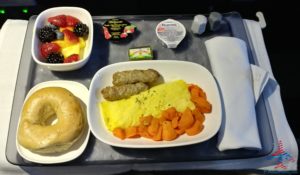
(199, 98)
(129, 82)
(127, 112)
(52, 120)
(112, 93)
(63, 36)
(163, 112)
(169, 126)
(134, 76)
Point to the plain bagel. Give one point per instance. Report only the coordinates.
(36, 132)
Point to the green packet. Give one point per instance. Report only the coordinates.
(140, 53)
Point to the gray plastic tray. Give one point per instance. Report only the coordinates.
(104, 52)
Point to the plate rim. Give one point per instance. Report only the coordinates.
(86, 132)
(169, 143)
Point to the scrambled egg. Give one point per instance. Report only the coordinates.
(126, 112)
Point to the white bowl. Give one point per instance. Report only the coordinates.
(170, 70)
(84, 16)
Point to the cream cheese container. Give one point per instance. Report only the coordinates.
(170, 32)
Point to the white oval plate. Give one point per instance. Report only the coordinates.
(81, 92)
(170, 70)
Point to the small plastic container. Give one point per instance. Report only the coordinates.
(170, 32)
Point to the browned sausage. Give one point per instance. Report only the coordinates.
(112, 93)
(134, 76)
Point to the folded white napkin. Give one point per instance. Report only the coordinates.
(230, 66)
(260, 79)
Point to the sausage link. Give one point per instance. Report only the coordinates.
(112, 93)
(134, 76)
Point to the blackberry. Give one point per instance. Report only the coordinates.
(47, 34)
(81, 30)
(55, 58)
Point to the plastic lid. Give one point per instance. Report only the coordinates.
(170, 32)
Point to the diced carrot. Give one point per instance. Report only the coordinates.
(168, 132)
(143, 131)
(191, 86)
(179, 114)
(161, 119)
(146, 120)
(158, 136)
(120, 133)
(175, 122)
(201, 92)
(180, 131)
(132, 132)
(154, 126)
(197, 91)
(186, 120)
(202, 104)
(171, 113)
(195, 129)
(171, 123)
(198, 115)
(165, 115)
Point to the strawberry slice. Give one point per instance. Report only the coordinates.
(72, 58)
(71, 21)
(59, 20)
(47, 48)
(106, 33)
(123, 35)
(70, 36)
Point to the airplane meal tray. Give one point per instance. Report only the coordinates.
(105, 52)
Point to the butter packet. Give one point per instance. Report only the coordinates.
(140, 53)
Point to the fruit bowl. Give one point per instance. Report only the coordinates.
(42, 46)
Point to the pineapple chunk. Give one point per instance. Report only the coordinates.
(61, 43)
(73, 49)
(81, 42)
